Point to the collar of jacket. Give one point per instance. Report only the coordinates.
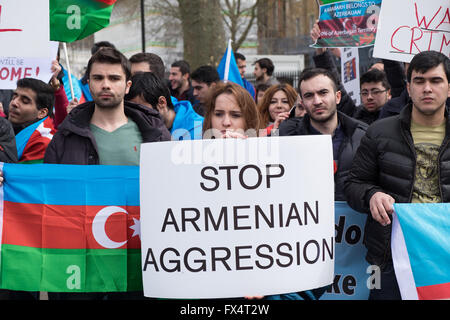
(78, 121)
(348, 124)
(405, 116)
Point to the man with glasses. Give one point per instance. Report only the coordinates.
(375, 92)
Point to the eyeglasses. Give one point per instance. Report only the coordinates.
(374, 93)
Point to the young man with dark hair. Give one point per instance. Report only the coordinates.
(204, 79)
(180, 82)
(403, 159)
(147, 62)
(107, 130)
(242, 66)
(179, 117)
(263, 72)
(31, 113)
(84, 80)
(375, 93)
(320, 96)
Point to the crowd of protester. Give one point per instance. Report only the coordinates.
(120, 103)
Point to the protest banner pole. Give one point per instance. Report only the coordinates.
(68, 70)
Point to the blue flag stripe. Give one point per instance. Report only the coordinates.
(233, 75)
(71, 184)
(426, 229)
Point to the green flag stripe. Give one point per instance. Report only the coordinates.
(32, 161)
(70, 270)
(71, 21)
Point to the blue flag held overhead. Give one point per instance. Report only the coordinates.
(228, 69)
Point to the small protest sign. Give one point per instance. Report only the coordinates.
(15, 68)
(24, 28)
(423, 25)
(348, 24)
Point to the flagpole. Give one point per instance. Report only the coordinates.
(68, 70)
(228, 62)
(143, 25)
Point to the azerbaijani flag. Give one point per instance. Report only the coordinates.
(421, 250)
(33, 140)
(348, 23)
(72, 20)
(228, 69)
(69, 228)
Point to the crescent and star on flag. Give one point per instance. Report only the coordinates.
(99, 230)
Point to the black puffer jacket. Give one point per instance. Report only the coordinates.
(354, 130)
(386, 162)
(74, 142)
(362, 114)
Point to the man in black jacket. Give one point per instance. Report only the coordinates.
(320, 97)
(121, 125)
(318, 89)
(375, 93)
(404, 159)
(107, 131)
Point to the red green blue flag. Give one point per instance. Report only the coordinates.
(72, 20)
(348, 23)
(32, 141)
(69, 228)
(421, 250)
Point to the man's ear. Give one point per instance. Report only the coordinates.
(42, 113)
(127, 89)
(162, 104)
(338, 97)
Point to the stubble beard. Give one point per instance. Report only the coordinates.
(108, 105)
(325, 119)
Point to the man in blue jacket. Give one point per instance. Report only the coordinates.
(179, 116)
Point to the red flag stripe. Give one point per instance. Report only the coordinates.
(434, 292)
(110, 2)
(65, 227)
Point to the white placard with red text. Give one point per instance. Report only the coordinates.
(25, 49)
(408, 27)
(24, 28)
(15, 68)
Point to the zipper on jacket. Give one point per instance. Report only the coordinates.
(406, 134)
(441, 151)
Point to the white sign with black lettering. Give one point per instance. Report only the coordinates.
(237, 217)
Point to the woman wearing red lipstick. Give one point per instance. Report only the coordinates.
(275, 105)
